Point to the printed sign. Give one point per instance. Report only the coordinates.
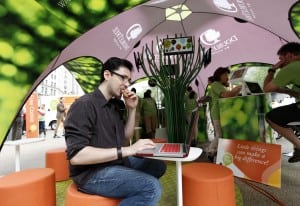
(260, 162)
(32, 122)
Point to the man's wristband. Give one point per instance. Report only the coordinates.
(119, 152)
(271, 70)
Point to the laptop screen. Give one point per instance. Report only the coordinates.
(238, 74)
(254, 87)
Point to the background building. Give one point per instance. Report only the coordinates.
(60, 82)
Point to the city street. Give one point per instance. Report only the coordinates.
(32, 154)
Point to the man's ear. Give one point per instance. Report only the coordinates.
(106, 74)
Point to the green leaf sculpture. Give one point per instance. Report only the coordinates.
(173, 84)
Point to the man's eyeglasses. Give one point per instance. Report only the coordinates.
(123, 77)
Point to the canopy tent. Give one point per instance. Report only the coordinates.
(237, 31)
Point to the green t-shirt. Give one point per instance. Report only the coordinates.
(190, 104)
(207, 90)
(139, 105)
(149, 107)
(289, 76)
(215, 91)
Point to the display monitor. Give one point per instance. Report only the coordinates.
(178, 45)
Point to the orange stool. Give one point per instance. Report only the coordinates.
(57, 160)
(207, 184)
(77, 198)
(32, 187)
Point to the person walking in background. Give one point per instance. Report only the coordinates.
(137, 124)
(138, 110)
(149, 111)
(190, 104)
(204, 102)
(286, 81)
(60, 115)
(41, 117)
(95, 132)
(187, 92)
(219, 90)
(205, 99)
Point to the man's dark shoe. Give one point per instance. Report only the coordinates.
(295, 157)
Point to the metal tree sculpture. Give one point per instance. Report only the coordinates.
(173, 74)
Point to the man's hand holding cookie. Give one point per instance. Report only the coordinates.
(130, 98)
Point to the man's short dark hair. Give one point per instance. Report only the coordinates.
(113, 64)
(218, 73)
(291, 47)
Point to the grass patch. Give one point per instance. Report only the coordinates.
(168, 182)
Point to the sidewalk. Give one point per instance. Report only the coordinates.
(32, 154)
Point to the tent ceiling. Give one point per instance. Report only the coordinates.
(265, 27)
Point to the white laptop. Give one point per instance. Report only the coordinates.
(174, 149)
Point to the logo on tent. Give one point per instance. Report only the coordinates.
(243, 5)
(210, 37)
(133, 31)
(224, 5)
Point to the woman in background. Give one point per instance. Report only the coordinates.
(218, 89)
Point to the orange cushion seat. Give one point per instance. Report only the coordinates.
(77, 198)
(207, 184)
(57, 160)
(32, 187)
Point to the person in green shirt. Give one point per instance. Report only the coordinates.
(218, 89)
(204, 103)
(138, 110)
(190, 104)
(287, 80)
(149, 111)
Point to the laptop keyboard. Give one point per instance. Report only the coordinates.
(170, 148)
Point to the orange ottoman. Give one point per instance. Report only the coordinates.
(32, 187)
(77, 198)
(57, 160)
(207, 184)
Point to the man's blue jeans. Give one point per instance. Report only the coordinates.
(137, 185)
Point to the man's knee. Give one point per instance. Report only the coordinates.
(153, 190)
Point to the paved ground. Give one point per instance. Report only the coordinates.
(32, 155)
